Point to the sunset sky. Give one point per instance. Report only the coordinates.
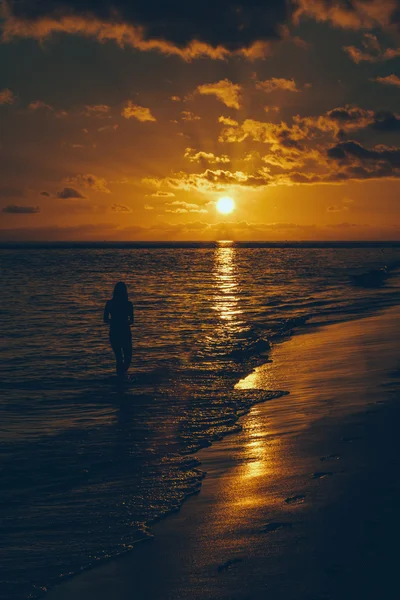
(129, 120)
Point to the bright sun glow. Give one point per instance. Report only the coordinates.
(225, 205)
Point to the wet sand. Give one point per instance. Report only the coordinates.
(303, 503)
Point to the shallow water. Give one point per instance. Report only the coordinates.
(86, 466)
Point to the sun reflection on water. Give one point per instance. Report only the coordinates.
(226, 300)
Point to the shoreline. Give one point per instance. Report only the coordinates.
(274, 466)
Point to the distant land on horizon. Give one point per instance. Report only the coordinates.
(198, 244)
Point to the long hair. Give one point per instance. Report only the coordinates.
(120, 294)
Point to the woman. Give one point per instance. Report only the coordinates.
(118, 313)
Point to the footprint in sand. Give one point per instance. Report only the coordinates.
(330, 457)
(229, 563)
(322, 474)
(270, 527)
(295, 499)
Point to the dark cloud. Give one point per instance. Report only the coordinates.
(21, 210)
(195, 29)
(354, 161)
(337, 208)
(386, 121)
(69, 192)
(232, 24)
(46, 194)
(121, 208)
(346, 150)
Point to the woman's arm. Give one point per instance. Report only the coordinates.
(130, 314)
(106, 317)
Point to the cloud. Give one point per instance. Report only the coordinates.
(135, 111)
(243, 27)
(108, 128)
(359, 163)
(271, 109)
(227, 92)
(39, 105)
(21, 210)
(68, 193)
(88, 180)
(246, 28)
(336, 122)
(96, 110)
(227, 121)
(176, 99)
(350, 14)
(205, 157)
(6, 96)
(243, 230)
(149, 207)
(213, 180)
(160, 194)
(121, 208)
(337, 208)
(179, 207)
(186, 115)
(46, 194)
(389, 80)
(344, 150)
(372, 51)
(386, 121)
(273, 84)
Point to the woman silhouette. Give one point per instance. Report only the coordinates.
(118, 313)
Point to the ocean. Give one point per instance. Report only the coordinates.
(87, 467)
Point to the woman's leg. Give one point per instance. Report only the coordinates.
(119, 358)
(127, 356)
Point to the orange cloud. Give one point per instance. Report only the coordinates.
(243, 230)
(228, 121)
(273, 84)
(120, 208)
(206, 157)
(389, 80)
(160, 194)
(349, 14)
(87, 180)
(186, 115)
(372, 51)
(125, 34)
(179, 207)
(96, 110)
(212, 180)
(224, 90)
(6, 96)
(39, 105)
(135, 111)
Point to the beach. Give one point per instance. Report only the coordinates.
(303, 502)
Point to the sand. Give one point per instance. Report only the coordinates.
(303, 503)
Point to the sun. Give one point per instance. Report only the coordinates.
(225, 205)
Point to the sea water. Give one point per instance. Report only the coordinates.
(86, 466)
